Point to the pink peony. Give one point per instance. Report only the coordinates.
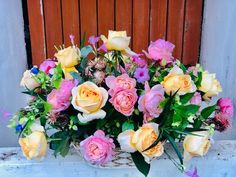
(98, 148)
(47, 66)
(60, 98)
(226, 106)
(149, 103)
(196, 99)
(121, 82)
(161, 50)
(138, 60)
(124, 100)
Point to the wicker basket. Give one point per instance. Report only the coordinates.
(120, 159)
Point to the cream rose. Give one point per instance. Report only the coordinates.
(117, 40)
(140, 140)
(35, 144)
(68, 57)
(196, 145)
(177, 80)
(88, 98)
(209, 85)
(29, 81)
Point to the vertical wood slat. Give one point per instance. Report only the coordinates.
(105, 16)
(192, 31)
(158, 14)
(175, 25)
(88, 18)
(140, 25)
(123, 16)
(53, 25)
(70, 16)
(37, 33)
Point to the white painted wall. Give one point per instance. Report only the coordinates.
(12, 65)
(218, 49)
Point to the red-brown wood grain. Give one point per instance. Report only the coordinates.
(175, 25)
(106, 12)
(140, 25)
(179, 21)
(192, 31)
(71, 24)
(53, 25)
(37, 34)
(88, 18)
(158, 15)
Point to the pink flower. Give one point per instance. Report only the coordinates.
(141, 74)
(102, 48)
(221, 121)
(47, 66)
(161, 50)
(124, 100)
(98, 148)
(93, 40)
(138, 60)
(226, 106)
(192, 69)
(60, 98)
(149, 103)
(121, 82)
(196, 99)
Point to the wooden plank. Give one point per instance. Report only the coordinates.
(53, 25)
(158, 15)
(37, 34)
(192, 31)
(106, 17)
(124, 16)
(140, 25)
(175, 25)
(70, 16)
(88, 18)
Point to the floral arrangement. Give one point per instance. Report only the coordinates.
(104, 96)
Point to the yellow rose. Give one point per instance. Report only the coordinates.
(35, 144)
(209, 85)
(29, 81)
(196, 145)
(68, 57)
(67, 71)
(125, 141)
(117, 40)
(88, 98)
(177, 80)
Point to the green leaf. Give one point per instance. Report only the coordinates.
(177, 119)
(206, 112)
(185, 98)
(61, 146)
(57, 76)
(199, 79)
(85, 51)
(77, 76)
(183, 67)
(140, 163)
(83, 40)
(47, 107)
(175, 147)
(128, 125)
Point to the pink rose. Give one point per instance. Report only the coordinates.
(47, 66)
(98, 148)
(149, 103)
(121, 82)
(192, 69)
(196, 99)
(124, 100)
(226, 106)
(161, 50)
(60, 98)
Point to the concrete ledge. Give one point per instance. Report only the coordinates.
(219, 162)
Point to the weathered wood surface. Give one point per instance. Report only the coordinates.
(219, 162)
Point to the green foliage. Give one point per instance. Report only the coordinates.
(198, 79)
(140, 163)
(128, 125)
(186, 98)
(183, 67)
(77, 76)
(83, 40)
(57, 76)
(85, 51)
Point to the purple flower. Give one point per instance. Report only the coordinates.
(192, 173)
(93, 40)
(138, 60)
(72, 38)
(141, 74)
(103, 48)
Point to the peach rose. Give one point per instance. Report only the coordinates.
(35, 144)
(177, 80)
(88, 98)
